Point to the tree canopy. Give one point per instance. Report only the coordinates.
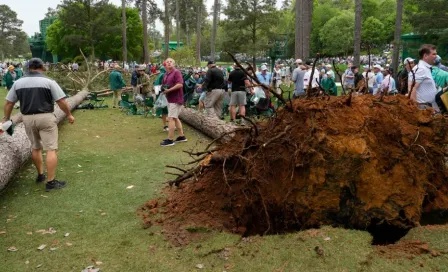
(246, 26)
(13, 41)
(95, 29)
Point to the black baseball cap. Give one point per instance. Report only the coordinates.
(210, 62)
(35, 63)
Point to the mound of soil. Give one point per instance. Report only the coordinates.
(323, 163)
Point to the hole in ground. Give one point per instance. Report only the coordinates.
(385, 234)
(439, 217)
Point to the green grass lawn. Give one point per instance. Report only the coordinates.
(106, 151)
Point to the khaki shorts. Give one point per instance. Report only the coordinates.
(174, 110)
(42, 130)
(238, 98)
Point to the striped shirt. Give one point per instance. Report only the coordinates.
(426, 91)
(36, 93)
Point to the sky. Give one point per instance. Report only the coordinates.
(32, 11)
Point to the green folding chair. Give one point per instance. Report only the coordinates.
(148, 106)
(97, 102)
(127, 105)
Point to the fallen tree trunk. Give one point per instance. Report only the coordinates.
(15, 150)
(209, 125)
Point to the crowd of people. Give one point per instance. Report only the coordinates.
(425, 81)
(219, 89)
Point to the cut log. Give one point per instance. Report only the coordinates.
(15, 150)
(209, 125)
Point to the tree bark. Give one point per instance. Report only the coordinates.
(298, 29)
(307, 17)
(167, 29)
(15, 150)
(210, 126)
(214, 29)
(397, 37)
(188, 35)
(177, 24)
(145, 31)
(357, 45)
(123, 29)
(254, 35)
(198, 34)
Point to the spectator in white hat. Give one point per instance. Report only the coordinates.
(378, 78)
(328, 70)
(264, 76)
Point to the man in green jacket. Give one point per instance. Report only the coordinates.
(18, 69)
(10, 77)
(117, 84)
(329, 85)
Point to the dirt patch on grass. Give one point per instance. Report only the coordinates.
(406, 249)
(323, 163)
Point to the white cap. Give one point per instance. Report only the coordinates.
(408, 59)
(328, 65)
(298, 61)
(263, 67)
(377, 66)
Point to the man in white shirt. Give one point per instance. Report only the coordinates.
(307, 77)
(277, 79)
(370, 78)
(424, 91)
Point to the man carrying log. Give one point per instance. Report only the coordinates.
(37, 94)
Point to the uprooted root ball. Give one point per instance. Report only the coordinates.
(325, 163)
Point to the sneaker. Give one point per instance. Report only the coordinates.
(54, 184)
(167, 142)
(41, 178)
(165, 128)
(181, 139)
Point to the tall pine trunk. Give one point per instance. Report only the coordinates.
(177, 24)
(145, 31)
(198, 34)
(188, 35)
(397, 36)
(357, 45)
(167, 29)
(254, 34)
(298, 29)
(307, 17)
(123, 29)
(214, 29)
(92, 43)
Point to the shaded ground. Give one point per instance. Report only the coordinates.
(99, 213)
